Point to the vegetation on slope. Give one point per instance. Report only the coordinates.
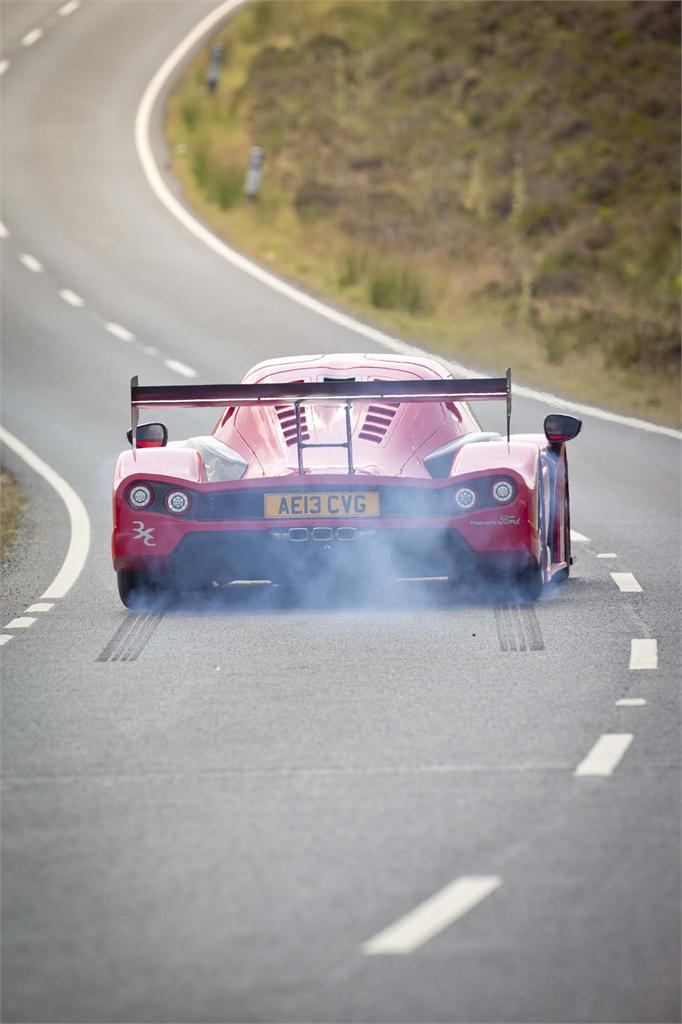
(12, 501)
(498, 180)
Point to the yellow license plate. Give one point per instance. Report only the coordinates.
(327, 505)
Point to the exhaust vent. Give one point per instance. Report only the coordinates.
(377, 421)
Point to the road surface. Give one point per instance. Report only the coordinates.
(220, 813)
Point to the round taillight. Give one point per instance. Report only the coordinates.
(140, 496)
(465, 497)
(502, 491)
(177, 502)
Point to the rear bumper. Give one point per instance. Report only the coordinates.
(283, 554)
(419, 531)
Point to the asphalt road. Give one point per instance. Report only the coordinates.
(208, 812)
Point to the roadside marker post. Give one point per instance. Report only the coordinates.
(214, 68)
(254, 172)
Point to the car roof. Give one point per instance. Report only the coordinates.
(349, 364)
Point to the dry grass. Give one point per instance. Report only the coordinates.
(495, 181)
(12, 501)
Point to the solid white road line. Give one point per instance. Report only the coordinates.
(30, 262)
(630, 702)
(32, 37)
(71, 297)
(122, 333)
(23, 622)
(181, 368)
(79, 543)
(5, 639)
(4, 233)
(626, 582)
(4, 64)
(605, 755)
(432, 916)
(643, 655)
(174, 207)
(69, 8)
(41, 606)
(607, 554)
(579, 538)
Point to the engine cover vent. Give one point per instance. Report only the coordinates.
(286, 414)
(377, 421)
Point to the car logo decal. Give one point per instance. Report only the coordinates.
(144, 535)
(502, 521)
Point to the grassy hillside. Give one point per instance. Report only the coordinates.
(12, 500)
(497, 180)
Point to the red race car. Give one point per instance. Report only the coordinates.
(336, 465)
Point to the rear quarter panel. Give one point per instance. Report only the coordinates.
(180, 463)
(520, 456)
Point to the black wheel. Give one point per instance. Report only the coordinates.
(563, 574)
(134, 588)
(531, 581)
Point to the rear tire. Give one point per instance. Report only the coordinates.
(532, 579)
(530, 583)
(135, 587)
(563, 574)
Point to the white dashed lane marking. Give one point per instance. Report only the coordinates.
(4, 64)
(630, 702)
(32, 37)
(41, 606)
(579, 538)
(30, 262)
(643, 654)
(4, 639)
(432, 916)
(122, 333)
(607, 554)
(71, 297)
(605, 755)
(4, 233)
(23, 622)
(177, 367)
(69, 8)
(626, 582)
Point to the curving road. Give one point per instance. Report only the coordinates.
(219, 813)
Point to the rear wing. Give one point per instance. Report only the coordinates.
(201, 396)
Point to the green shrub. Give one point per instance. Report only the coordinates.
(315, 200)
(352, 268)
(221, 184)
(557, 344)
(398, 288)
(543, 218)
(191, 114)
(200, 166)
(225, 186)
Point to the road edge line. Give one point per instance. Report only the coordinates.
(203, 234)
(79, 543)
